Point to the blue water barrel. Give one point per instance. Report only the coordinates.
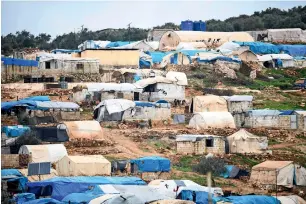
(199, 26)
(187, 25)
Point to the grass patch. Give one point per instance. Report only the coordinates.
(281, 105)
(273, 142)
(244, 160)
(186, 162)
(301, 136)
(194, 177)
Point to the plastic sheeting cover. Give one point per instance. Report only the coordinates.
(63, 186)
(152, 164)
(15, 131)
(260, 47)
(293, 50)
(57, 105)
(179, 77)
(44, 201)
(116, 105)
(23, 197)
(205, 120)
(124, 87)
(240, 98)
(230, 46)
(248, 199)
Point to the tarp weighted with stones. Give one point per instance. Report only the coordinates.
(152, 164)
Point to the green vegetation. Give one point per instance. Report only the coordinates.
(273, 141)
(186, 162)
(281, 105)
(269, 18)
(193, 177)
(244, 160)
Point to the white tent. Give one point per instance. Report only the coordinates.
(292, 199)
(282, 173)
(205, 120)
(209, 103)
(44, 153)
(245, 142)
(33, 178)
(230, 46)
(89, 165)
(169, 187)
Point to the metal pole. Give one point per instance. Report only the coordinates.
(276, 185)
(129, 26)
(209, 187)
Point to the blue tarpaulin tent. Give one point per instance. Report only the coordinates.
(157, 57)
(152, 164)
(144, 64)
(63, 186)
(15, 131)
(23, 197)
(199, 197)
(44, 201)
(117, 44)
(39, 105)
(248, 199)
(87, 196)
(13, 175)
(37, 98)
(233, 172)
(293, 50)
(221, 58)
(260, 47)
(11, 104)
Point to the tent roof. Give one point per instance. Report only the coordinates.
(193, 138)
(116, 105)
(271, 165)
(84, 129)
(179, 77)
(301, 112)
(57, 105)
(264, 112)
(243, 134)
(88, 159)
(148, 81)
(111, 87)
(210, 99)
(240, 98)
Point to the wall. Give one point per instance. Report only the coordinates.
(15, 160)
(146, 113)
(173, 92)
(282, 121)
(114, 95)
(114, 58)
(301, 122)
(239, 106)
(199, 147)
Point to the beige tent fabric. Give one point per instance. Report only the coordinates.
(84, 129)
(90, 165)
(292, 199)
(266, 173)
(44, 153)
(245, 142)
(173, 38)
(33, 178)
(300, 174)
(206, 120)
(209, 103)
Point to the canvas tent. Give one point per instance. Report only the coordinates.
(112, 109)
(292, 199)
(44, 153)
(208, 103)
(245, 142)
(171, 39)
(282, 173)
(172, 188)
(90, 165)
(205, 120)
(84, 129)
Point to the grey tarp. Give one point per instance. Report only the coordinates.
(178, 118)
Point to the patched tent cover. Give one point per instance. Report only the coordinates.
(84, 129)
(286, 172)
(206, 120)
(152, 164)
(13, 175)
(209, 103)
(62, 186)
(44, 153)
(245, 142)
(89, 165)
(15, 131)
(23, 197)
(44, 201)
(248, 199)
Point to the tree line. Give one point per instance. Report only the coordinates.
(267, 19)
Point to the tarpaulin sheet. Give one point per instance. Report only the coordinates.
(14, 131)
(152, 164)
(62, 186)
(144, 64)
(248, 199)
(13, 175)
(145, 104)
(37, 98)
(44, 201)
(19, 62)
(220, 58)
(201, 197)
(23, 197)
(260, 47)
(117, 44)
(86, 197)
(11, 104)
(293, 50)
